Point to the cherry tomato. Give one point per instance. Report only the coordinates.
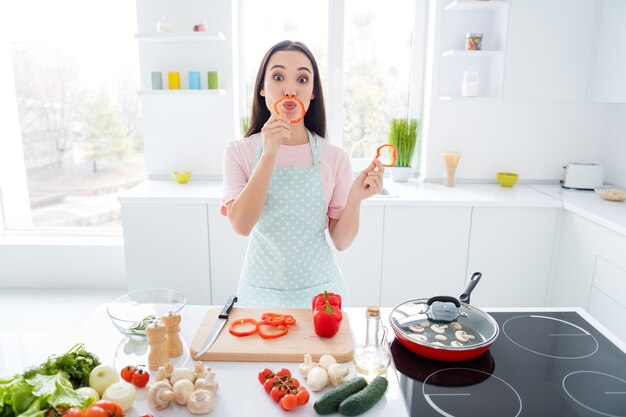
(277, 393)
(288, 402)
(292, 382)
(265, 374)
(56, 412)
(127, 373)
(95, 411)
(146, 415)
(284, 372)
(269, 384)
(74, 412)
(113, 408)
(303, 396)
(140, 378)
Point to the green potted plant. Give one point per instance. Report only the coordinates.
(403, 135)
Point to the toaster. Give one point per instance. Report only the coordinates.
(579, 176)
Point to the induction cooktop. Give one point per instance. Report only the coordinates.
(541, 364)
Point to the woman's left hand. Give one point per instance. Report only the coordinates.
(369, 182)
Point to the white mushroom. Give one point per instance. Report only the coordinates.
(182, 390)
(201, 401)
(441, 337)
(416, 329)
(306, 367)
(200, 370)
(160, 395)
(419, 337)
(208, 383)
(462, 336)
(439, 329)
(425, 324)
(337, 374)
(317, 379)
(181, 373)
(326, 360)
(169, 368)
(456, 343)
(456, 325)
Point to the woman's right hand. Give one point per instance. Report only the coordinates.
(275, 131)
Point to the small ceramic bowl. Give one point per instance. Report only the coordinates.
(181, 176)
(611, 193)
(507, 179)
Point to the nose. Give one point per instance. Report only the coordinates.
(289, 93)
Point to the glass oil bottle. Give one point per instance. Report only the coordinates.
(373, 358)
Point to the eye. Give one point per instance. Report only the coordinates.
(278, 77)
(303, 80)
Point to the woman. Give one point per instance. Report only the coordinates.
(285, 183)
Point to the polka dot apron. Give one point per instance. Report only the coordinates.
(288, 259)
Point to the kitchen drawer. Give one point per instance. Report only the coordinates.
(611, 280)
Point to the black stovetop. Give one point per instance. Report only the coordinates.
(541, 364)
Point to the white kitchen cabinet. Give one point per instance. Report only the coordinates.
(549, 50)
(457, 18)
(512, 247)
(609, 82)
(361, 262)
(167, 246)
(228, 250)
(424, 252)
(591, 271)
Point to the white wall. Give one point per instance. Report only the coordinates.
(534, 139)
(614, 157)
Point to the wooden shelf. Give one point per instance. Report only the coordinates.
(463, 52)
(181, 37)
(476, 5)
(220, 92)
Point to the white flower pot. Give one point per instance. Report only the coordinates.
(400, 174)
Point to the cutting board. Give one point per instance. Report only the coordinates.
(291, 347)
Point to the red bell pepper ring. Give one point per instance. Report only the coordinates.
(274, 319)
(241, 322)
(394, 154)
(327, 321)
(321, 298)
(262, 330)
(302, 111)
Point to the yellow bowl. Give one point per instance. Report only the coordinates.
(181, 176)
(507, 179)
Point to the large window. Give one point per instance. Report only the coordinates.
(75, 81)
(371, 41)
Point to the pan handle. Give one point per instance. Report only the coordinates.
(444, 299)
(465, 297)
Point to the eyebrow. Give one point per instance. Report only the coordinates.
(299, 69)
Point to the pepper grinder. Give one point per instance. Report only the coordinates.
(174, 345)
(158, 356)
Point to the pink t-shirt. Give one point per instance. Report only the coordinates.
(335, 169)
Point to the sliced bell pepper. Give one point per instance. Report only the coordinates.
(302, 111)
(274, 319)
(327, 321)
(394, 154)
(263, 328)
(320, 300)
(241, 322)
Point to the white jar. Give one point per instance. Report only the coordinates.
(471, 83)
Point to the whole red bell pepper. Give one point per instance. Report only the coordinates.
(326, 321)
(320, 300)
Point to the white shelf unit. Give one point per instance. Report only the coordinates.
(181, 37)
(181, 92)
(472, 16)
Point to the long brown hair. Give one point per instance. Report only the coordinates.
(315, 118)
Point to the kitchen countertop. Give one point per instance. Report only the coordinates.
(420, 194)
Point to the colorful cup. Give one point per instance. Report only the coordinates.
(173, 80)
(194, 80)
(214, 80)
(156, 80)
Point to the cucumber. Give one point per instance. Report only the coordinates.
(329, 402)
(365, 399)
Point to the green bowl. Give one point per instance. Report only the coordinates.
(507, 179)
(181, 176)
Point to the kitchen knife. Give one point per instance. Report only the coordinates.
(217, 327)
